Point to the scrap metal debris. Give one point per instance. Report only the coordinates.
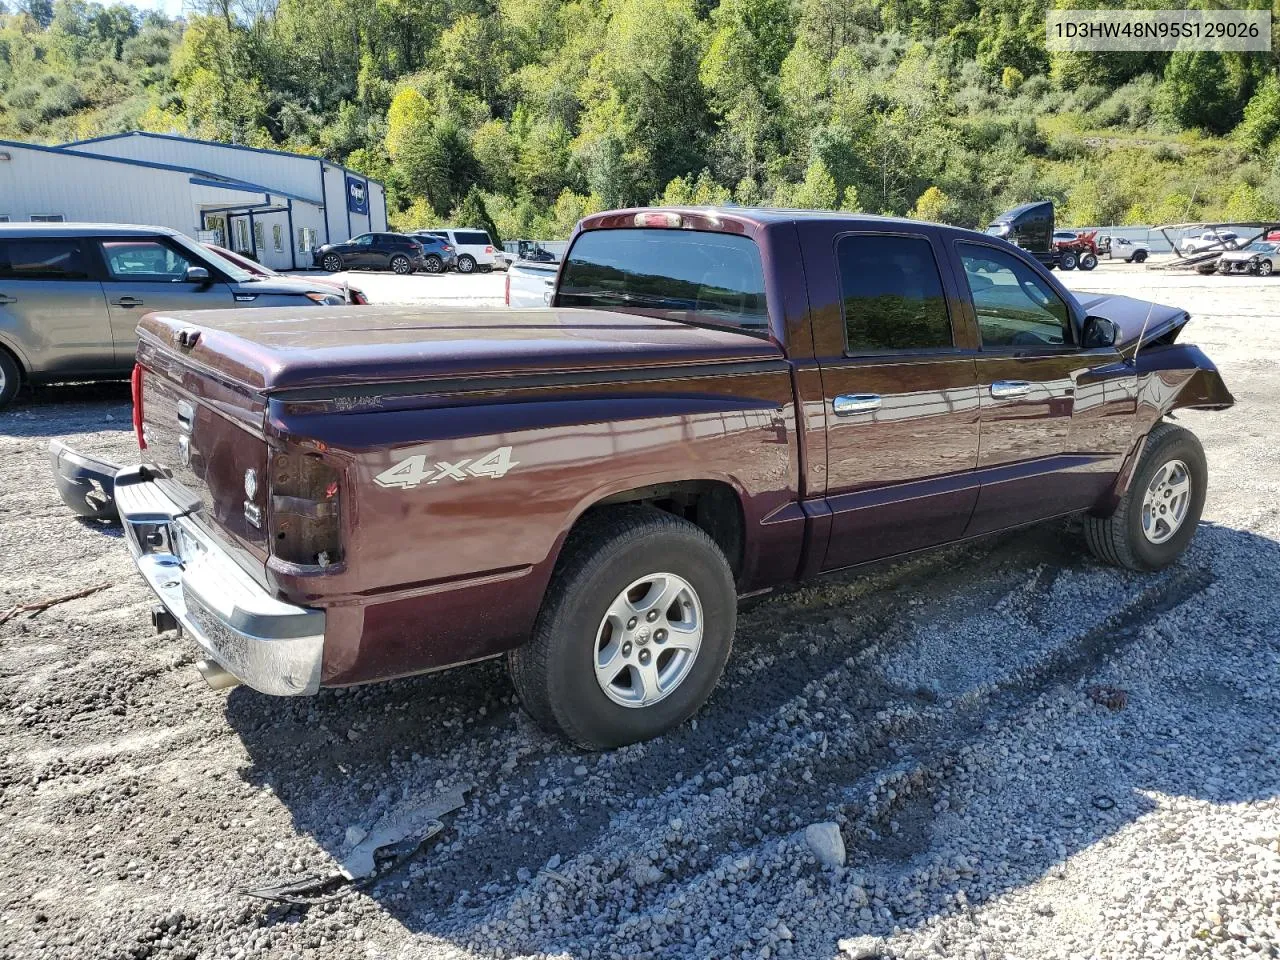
(395, 838)
(1113, 698)
(36, 606)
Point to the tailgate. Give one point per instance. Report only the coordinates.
(205, 434)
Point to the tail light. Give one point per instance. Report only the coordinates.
(306, 512)
(448, 248)
(488, 249)
(135, 384)
(357, 296)
(506, 290)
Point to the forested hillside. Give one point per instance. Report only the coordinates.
(546, 109)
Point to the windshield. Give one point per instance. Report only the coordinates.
(1259, 246)
(203, 255)
(684, 275)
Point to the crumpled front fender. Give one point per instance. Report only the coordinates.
(1170, 377)
(1179, 375)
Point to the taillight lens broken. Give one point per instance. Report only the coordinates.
(306, 509)
(135, 383)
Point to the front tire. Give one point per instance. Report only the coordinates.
(1158, 515)
(1139, 256)
(1265, 268)
(332, 262)
(466, 264)
(634, 632)
(10, 378)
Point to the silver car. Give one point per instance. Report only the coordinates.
(71, 295)
(1260, 257)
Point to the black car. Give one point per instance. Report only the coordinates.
(438, 254)
(372, 251)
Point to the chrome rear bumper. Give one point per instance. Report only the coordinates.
(272, 646)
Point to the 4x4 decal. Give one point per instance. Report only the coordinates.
(415, 471)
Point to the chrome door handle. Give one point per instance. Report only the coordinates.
(127, 302)
(1004, 389)
(848, 403)
(7, 299)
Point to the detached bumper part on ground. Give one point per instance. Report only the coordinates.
(86, 484)
(271, 646)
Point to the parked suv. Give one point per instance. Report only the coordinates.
(438, 254)
(372, 251)
(475, 249)
(71, 295)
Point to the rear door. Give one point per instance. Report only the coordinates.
(52, 308)
(1055, 417)
(146, 274)
(899, 381)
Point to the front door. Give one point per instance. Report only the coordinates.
(146, 274)
(1055, 417)
(362, 252)
(901, 397)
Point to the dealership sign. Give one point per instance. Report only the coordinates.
(357, 196)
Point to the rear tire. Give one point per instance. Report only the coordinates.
(1088, 262)
(400, 264)
(607, 665)
(433, 264)
(10, 378)
(466, 264)
(1153, 524)
(1068, 261)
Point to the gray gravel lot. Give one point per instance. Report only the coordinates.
(937, 710)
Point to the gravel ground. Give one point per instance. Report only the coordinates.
(938, 710)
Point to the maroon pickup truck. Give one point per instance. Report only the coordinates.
(717, 402)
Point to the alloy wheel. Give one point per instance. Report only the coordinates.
(1164, 505)
(648, 640)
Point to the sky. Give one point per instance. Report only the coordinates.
(170, 7)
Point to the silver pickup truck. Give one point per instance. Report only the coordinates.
(530, 283)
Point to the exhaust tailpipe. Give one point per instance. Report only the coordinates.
(216, 676)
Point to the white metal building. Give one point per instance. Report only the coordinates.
(274, 206)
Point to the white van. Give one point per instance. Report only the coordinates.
(475, 249)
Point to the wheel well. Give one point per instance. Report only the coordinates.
(17, 361)
(710, 504)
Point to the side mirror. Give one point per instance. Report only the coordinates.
(197, 275)
(1100, 332)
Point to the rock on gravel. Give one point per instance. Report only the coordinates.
(827, 844)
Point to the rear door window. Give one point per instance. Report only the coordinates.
(52, 258)
(472, 238)
(892, 294)
(676, 274)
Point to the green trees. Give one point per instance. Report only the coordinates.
(538, 111)
(473, 213)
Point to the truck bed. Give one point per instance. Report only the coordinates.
(285, 349)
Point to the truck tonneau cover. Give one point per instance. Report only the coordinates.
(285, 348)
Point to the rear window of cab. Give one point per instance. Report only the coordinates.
(690, 275)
